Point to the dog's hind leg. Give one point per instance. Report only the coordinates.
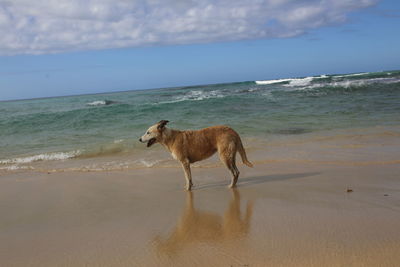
(188, 175)
(228, 157)
(236, 176)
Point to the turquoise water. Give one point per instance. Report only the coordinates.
(104, 124)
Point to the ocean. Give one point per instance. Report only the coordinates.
(101, 131)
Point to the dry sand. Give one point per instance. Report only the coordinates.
(297, 214)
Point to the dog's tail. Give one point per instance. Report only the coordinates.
(243, 154)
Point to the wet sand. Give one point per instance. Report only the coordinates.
(297, 214)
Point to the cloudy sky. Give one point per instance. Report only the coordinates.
(63, 47)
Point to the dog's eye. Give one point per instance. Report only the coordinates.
(148, 133)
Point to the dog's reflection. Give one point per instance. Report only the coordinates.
(196, 226)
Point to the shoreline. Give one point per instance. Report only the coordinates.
(357, 146)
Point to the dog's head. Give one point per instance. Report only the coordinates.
(153, 134)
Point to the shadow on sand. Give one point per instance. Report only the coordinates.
(258, 180)
(196, 226)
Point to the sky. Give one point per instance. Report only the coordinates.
(69, 47)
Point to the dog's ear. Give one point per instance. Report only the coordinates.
(161, 124)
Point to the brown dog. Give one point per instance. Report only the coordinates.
(192, 146)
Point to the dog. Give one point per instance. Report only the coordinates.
(195, 145)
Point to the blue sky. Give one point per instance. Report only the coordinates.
(80, 47)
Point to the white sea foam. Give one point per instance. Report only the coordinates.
(292, 82)
(101, 103)
(351, 75)
(195, 95)
(352, 83)
(147, 163)
(312, 82)
(15, 167)
(42, 157)
(299, 82)
(253, 89)
(200, 95)
(97, 103)
(363, 82)
(272, 81)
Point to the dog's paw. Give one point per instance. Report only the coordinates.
(188, 188)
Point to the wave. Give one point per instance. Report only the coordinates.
(42, 157)
(357, 77)
(291, 82)
(337, 81)
(118, 146)
(299, 82)
(195, 95)
(101, 103)
(352, 75)
(266, 82)
(353, 83)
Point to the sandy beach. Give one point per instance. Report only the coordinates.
(283, 213)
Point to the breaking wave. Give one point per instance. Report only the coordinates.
(292, 81)
(101, 103)
(357, 80)
(353, 83)
(266, 82)
(195, 95)
(300, 82)
(352, 75)
(42, 157)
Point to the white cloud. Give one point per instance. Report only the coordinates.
(53, 26)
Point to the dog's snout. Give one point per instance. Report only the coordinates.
(140, 139)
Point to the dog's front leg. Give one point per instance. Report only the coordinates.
(188, 174)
